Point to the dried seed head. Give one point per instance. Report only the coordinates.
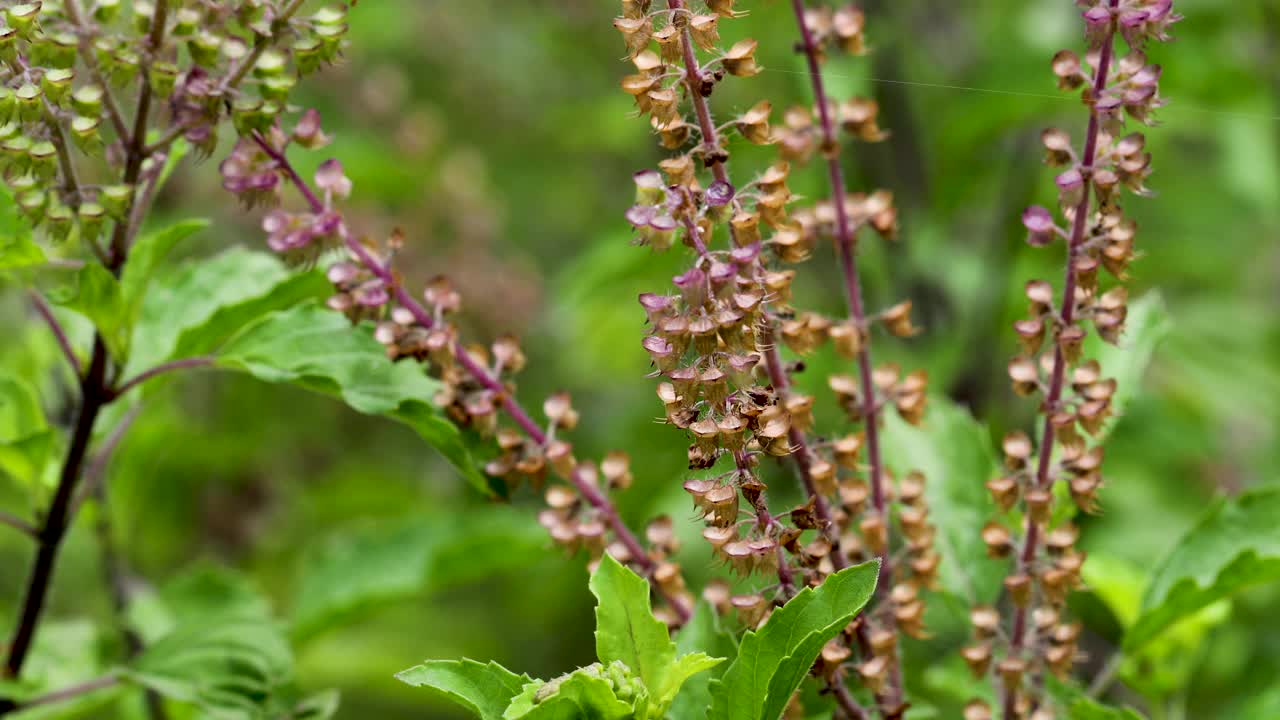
(998, 540)
(740, 60)
(858, 118)
(1004, 492)
(754, 123)
(1024, 375)
(874, 673)
(978, 658)
(985, 620)
(874, 534)
(751, 609)
(977, 710)
(1039, 504)
(897, 320)
(1017, 450)
(1019, 589)
(559, 410)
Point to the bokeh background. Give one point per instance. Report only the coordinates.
(494, 133)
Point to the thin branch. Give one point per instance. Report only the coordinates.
(151, 185)
(69, 693)
(1106, 675)
(46, 312)
(585, 487)
(18, 524)
(96, 471)
(145, 375)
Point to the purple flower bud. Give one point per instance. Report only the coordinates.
(1070, 187)
(662, 353)
(722, 274)
(403, 316)
(663, 223)
(648, 179)
(693, 287)
(745, 255)
(385, 333)
(655, 305)
(331, 179)
(342, 273)
(371, 293)
(1039, 224)
(719, 193)
(640, 215)
(308, 133)
(649, 188)
(1097, 22)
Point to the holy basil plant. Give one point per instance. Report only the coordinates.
(642, 673)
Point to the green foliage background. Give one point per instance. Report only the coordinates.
(494, 134)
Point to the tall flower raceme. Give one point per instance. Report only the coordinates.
(477, 381)
(92, 101)
(1075, 394)
(714, 335)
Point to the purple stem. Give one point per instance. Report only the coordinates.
(585, 487)
(70, 692)
(46, 312)
(845, 243)
(145, 375)
(1057, 377)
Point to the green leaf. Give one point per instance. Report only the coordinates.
(17, 250)
(229, 666)
(25, 437)
(321, 706)
(319, 350)
(954, 452)
(581, 695)
(685, 667)
(194, 308)
(773, 660)
(145, 257)
(205, 590)
(1234, 545)
(485, 690)
(626, 629)
(1146, 325)
(1081, 707)
(97, 296)
(702, 634)
(367, 566)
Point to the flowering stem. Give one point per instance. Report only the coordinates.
(585, 487)
(846, 246)
(46, 312)
(1018, 636)
(145, 375)
(246, 63)
(692, 79)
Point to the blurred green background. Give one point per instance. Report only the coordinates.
(494, 133)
